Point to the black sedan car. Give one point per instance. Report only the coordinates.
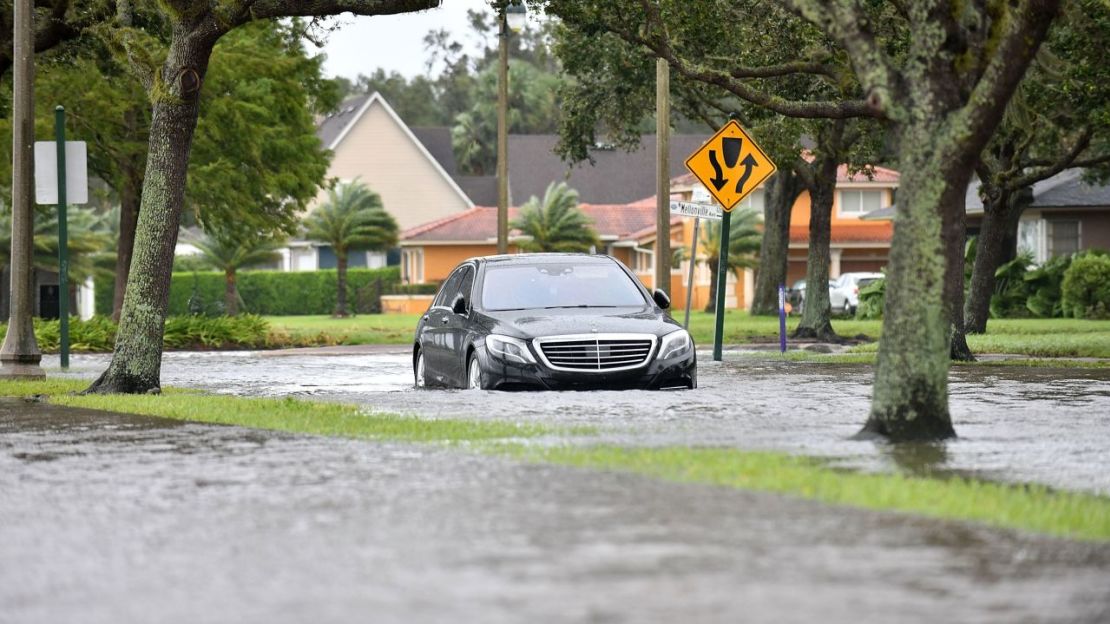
(550, 321)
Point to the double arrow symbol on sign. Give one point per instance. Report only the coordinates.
(719, 181)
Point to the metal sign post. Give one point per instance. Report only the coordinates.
(698, 211)
(782, 318)
(62, 178)
(690, 279)
(63, 234)
(722, 284)
(730, 165)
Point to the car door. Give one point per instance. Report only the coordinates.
(433, 334)
(456, 331)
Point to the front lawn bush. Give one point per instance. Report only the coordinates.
(871, 298)
(278, 293)
(1086, 287)
(98, 334)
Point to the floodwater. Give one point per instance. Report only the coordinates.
(1049, 426)
(116, 519)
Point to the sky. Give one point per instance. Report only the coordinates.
(394, 42)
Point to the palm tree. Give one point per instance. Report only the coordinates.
(744, 239)
(88, 236)
(231, 253)
(556, 224)
(352, 218)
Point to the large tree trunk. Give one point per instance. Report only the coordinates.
(910, 396)
(782, 190)
(341, 283)
(954, 206)
(816, 322)
(990, 253)
(231, 293)
(137, 360)
(130, 197)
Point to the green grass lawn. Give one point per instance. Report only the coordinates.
(1032, 507)
(1031, 337)
(288, 414)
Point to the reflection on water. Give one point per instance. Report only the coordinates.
(1050, 426)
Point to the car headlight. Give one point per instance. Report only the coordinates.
(510, 349)
(675, 344)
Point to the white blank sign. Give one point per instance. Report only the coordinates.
(46, 173)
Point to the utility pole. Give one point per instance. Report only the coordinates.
(503, 133)
(20, 355)
(663, 176)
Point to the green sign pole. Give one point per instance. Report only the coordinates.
(63, 235)
(722, 286)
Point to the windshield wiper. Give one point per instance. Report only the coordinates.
(578, 306)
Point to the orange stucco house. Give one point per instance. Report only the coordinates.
(628, 233)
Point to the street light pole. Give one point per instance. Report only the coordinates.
(20, 355)
(503, 134)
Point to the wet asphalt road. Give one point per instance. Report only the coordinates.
(107, 518)
(1048, 426)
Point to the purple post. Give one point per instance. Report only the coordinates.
(782, 318)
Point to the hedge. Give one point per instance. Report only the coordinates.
(1086, 287)
(273, 293)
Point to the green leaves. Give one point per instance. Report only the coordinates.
(556, 224)
(352, 217)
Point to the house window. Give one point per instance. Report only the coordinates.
(412, 266)
(643, 261)
(856, 203)
(1063, 238)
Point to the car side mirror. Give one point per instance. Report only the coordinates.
(459, 305)
(661, 299)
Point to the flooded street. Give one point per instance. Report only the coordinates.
(119, 519)
(1049, 426)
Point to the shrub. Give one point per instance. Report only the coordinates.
(98, 334)
(1086, 287)
(871, 298)
(1043, 284)
(1011, 291)
(278, 293)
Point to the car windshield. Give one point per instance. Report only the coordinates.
(558, 285)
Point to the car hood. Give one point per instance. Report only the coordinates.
(528, 324)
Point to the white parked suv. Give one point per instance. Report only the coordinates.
(844, 294)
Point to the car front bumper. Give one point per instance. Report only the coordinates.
(678, 372)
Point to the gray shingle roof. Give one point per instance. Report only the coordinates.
(616, 177)
(1066, 189)
(329, 129)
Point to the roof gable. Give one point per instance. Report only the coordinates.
(337, 127)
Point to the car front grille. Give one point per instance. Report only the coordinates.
(596, 353)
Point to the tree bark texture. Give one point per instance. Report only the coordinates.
(130, 199)
(341, 283)
(910, 396)
(231, 293)
(782, 191)
(816, 320)
(137, 360)
(992, 248)
(954, 205)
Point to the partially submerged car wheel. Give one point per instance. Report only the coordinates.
(418, 370)
(474, 374)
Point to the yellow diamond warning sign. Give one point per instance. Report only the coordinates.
(730, 165)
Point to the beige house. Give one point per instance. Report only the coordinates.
(371, 143)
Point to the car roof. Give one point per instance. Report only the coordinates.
(542, 258)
